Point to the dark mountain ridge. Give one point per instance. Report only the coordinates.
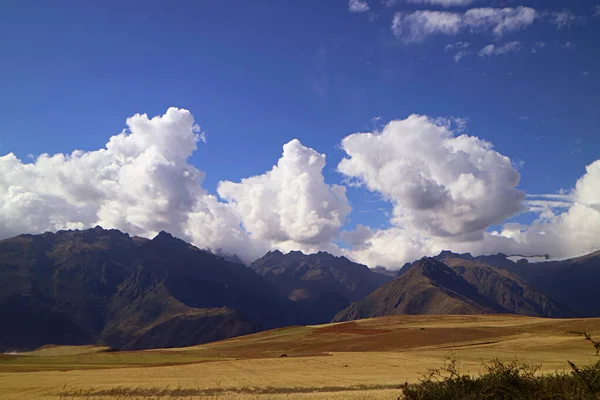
(103, 286)
(567, 288)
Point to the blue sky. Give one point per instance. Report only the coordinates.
(256, 74)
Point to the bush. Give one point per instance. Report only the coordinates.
(507, 381)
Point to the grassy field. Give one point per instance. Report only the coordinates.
(366, 359)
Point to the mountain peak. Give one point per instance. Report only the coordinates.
(166, 239)
(449, 254)
(164, 235)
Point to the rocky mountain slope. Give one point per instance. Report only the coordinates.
(320, 284)
(427, 286)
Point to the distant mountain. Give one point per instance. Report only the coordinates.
(320, 284)
(427, 286)
(573, 283)
(502, 286)
(97, 285)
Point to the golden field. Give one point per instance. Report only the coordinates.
(366, 359)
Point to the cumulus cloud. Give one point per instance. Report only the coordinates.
(358, 6)
(448, 189)
(493, 50)
(440, 184)
(291, 206)
(559, 233)
(142, 183)
(418, 25)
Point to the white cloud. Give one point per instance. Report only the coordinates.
(597, 11)
(564, 19)
(573, 232)
(460, 49)
(290, 206)
(142, 183)
(457, 46)
(537, 46)
(541, 206)
(358, 6)
(500, 20)
(418, 25)
(446, 190)
(493, 50)
(460, 55)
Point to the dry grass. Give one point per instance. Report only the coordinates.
(365, 359)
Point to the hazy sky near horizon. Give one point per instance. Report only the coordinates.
(384, 130)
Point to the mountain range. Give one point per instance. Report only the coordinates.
(452, 283)
(106, 287)
(103, 286)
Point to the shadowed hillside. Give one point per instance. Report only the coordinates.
(320, 284)
(504, 288)
(97, 285)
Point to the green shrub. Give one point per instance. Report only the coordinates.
(507, 381)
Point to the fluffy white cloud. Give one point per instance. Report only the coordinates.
(440, 184)
(448, 189)
(358, 6)
(493, 50)
(418, 25)
(142, 183)
(291, 206)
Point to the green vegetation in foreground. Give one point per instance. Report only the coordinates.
(508, 381)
